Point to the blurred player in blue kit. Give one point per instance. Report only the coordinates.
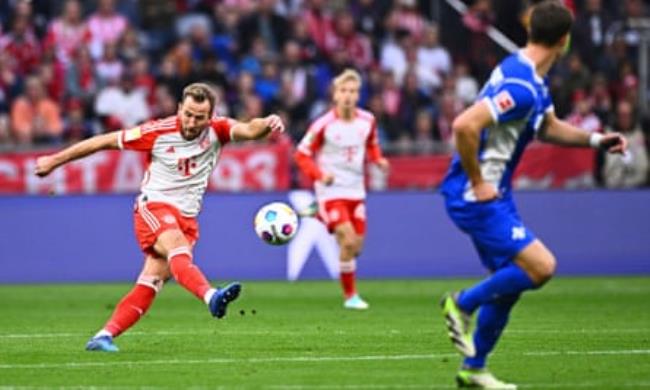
(514, 107)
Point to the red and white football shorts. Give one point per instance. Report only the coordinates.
(337, 211)
(153, 218)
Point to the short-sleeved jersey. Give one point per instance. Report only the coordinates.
(179, 169)
(339, 147)
(518, 100)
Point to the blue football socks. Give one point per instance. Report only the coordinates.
(509, 280)
(492, 318)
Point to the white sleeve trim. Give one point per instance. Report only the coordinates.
(304, 149)
(493, 110)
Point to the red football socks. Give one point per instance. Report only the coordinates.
(186, 273)
(130, 309)
(348, 269)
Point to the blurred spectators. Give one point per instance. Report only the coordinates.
(589, 32)
(99, 65)
(109, 68)
(67, 33)
(583, 115)
(35, 118)
(344, 37)
(106, 26)
(76, 126)
(432, 55)
(81, 77)
(467, 87)
(629, 170)
(266, 24)
(122, 105)
(22, 46)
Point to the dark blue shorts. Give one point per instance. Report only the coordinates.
(495, 228)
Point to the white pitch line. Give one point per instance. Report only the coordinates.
(569, 385)
(303, 359)
(297, 359)
(154, 333)
(369, 386)
(365, 386)
(291, 333)
(607, 352)
(577, 331)
(586, 385)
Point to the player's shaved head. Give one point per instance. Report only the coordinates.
(550, 21)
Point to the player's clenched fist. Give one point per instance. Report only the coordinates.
(614, 143)
(274, 122)
(44, 165)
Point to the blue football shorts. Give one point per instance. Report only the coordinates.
(495, 227)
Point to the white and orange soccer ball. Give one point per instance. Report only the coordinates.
(276, 223)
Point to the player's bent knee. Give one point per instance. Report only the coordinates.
(538, 262)
(547, 268)
(349, 246)
(156, 282)
(358, 245)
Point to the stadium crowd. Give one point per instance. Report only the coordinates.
(70, 69)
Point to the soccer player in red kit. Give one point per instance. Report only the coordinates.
(333, 153)
(183, 150)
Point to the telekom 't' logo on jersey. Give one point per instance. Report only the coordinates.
(350, 152)
(185, 165)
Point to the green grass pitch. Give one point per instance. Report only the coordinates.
(576, 333)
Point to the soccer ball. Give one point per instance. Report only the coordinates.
(276, 223)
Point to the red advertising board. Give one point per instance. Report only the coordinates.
(241, 168)
(542, 166)
(267, 167)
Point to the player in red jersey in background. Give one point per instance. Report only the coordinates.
(183, 150)
(333, 153)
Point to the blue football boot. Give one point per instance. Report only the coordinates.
(101, 343)
(220, 300)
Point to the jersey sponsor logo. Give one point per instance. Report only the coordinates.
(132, 134)
(518, 233)
(504, 102)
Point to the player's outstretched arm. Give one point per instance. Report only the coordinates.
(257, 128)
(46, 164)
(559, 132)
(467, 129)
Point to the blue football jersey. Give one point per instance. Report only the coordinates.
(518, 100)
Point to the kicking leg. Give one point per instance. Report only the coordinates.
(173, 245)
(133, 305)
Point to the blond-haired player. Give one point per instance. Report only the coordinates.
(333, 153)
(183, 150)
